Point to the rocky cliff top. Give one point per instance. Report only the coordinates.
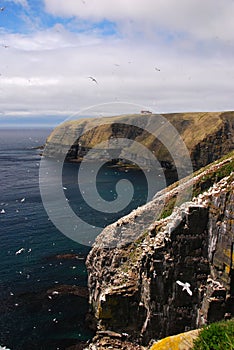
(207, 135)
(134, 285)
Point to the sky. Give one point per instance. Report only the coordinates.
(165, 55)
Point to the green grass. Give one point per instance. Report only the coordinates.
(204, 183)
(168, 208)
(209, 179)
(217, 336)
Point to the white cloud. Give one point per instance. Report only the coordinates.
(46, 72)
(32, 81)
(198, 18)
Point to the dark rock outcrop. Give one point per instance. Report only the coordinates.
(216, 144)
(133, 283)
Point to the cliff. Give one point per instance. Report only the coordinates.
(207, 135)
(136, 263)
(133, 283)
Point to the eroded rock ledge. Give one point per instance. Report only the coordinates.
(132, 284)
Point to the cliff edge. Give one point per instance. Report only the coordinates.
(207, 136)
(136, 288)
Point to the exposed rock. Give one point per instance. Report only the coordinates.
(132, 283)
(105, 341)
(68, 289)
(207, 136)
(66, 256)
(182, 341)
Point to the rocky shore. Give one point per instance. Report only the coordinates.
(167, 267)
(133, 287)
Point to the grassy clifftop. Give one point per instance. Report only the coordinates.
(207, 135)
(216, 336)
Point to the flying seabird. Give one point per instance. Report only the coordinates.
(93, 79)
(20, 251)
(22, 200)
(185, 286)
(2, 9)
(157, 69)
(3, 211)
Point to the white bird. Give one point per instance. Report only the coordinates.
(185, 286)
(3, 211)
(22, 200)
(20, 251)
(65, 188)
(2, 9)
(125, 334)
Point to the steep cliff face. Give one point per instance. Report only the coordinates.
(133, 284)
(207, 136)
(216, 144)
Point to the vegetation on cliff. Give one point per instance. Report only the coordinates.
(207, 135)
(133, 286)
(211, 174)
(132, 275)
(217, 336)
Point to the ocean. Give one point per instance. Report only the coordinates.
(35, 257)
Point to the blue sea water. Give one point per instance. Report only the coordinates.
(28, 318)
